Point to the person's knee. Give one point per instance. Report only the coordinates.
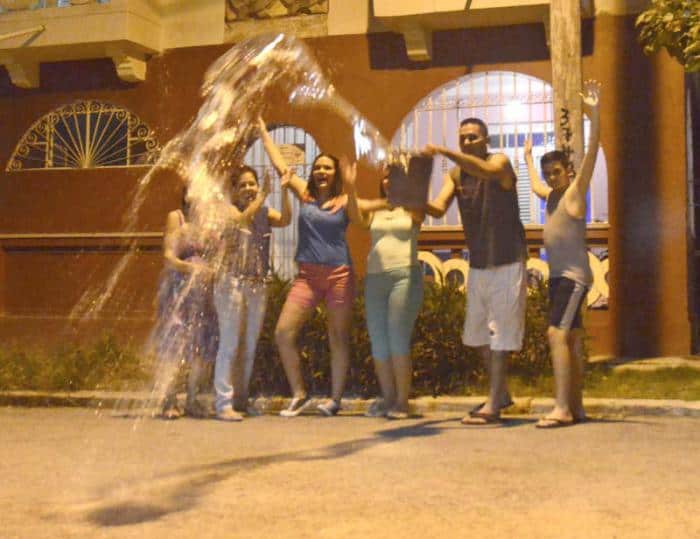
(285, 336)
(338, 335)
(399, 346)
(339, 320)
(380, 351)
(228, 343)
(558, 336)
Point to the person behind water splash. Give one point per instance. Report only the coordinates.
(240, 289)
(187, 327)
(325, 273)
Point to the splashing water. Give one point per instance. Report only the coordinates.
(213, 145)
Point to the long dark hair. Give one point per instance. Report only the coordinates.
(336, 187)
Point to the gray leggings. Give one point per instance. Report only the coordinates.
(392, 301)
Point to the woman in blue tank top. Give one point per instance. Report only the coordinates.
(325, 274)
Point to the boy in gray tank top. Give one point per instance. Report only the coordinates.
(570, 275)
(484, 185)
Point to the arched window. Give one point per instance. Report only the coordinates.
(299, 150)
(513, 106)
(85, 134)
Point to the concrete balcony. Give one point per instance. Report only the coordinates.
(417, 19)
(128, 31)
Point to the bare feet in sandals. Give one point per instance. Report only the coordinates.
(553, 423)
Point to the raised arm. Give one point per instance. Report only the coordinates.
(576, 194)
(297, 185)
(438, 206)
(348, 172)
(540, 188)
(283, 218)
(498, 168)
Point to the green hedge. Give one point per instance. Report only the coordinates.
(441, 363)
(105, 363)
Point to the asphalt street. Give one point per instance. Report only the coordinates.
(76, 472)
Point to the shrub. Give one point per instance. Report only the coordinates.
(675, 26)
(441, 363)
(103, 364)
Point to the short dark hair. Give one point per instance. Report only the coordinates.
(555, 156)
(242, 170)
(479, 122)
(337, 186)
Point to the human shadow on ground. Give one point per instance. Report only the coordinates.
(156, 497)
(153, 498)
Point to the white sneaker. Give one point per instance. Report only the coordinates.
(296, 406)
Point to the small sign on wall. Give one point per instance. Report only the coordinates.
(294, 154)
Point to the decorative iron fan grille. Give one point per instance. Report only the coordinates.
(86, 134)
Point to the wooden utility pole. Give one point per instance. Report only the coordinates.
(565, 47)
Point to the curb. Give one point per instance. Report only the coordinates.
(108, 400)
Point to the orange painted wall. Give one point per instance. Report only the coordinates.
(642, 134)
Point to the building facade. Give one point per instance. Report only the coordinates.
(134, 68)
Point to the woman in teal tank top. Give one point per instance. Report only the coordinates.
(393, 291)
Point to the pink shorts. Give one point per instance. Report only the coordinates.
(315, 282)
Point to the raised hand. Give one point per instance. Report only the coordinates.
(590, 96)
(266, 186)
(527, 149)
(348, 172)
(430, 150)
(284, 178)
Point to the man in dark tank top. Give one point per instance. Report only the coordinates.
(484, 185)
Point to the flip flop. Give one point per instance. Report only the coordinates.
(478, 407)
(553, 423)
(396, 414)
(480, 418)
